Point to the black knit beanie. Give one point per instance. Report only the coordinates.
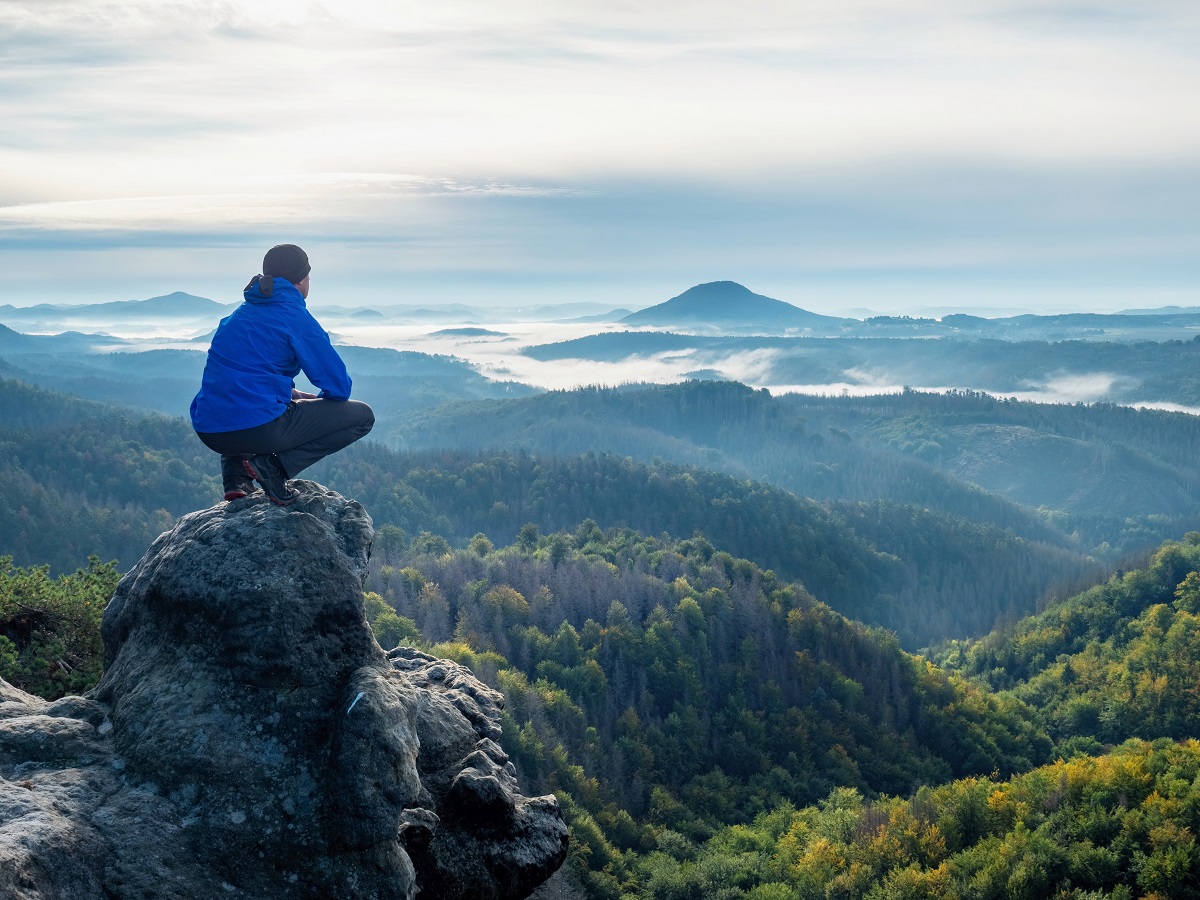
(286, 261)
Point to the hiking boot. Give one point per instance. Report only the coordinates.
(236, 482)
(242, 489)
(266, 470)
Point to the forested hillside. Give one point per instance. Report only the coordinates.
(79, 478)
(922, 575)
(1120, 660)
(677, 672)
(672, 695)
(1108, 479)
(667, 685)
(1118, 826)
(1119, 478)
(98, 480)
(717, 425)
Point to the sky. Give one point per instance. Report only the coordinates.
(842, 155)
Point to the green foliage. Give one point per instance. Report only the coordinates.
(431, 544)
(1115, 826)
(1111, 479)
(78, 479)
(50, 627)
(704, 695)
(922, 575)
(1017, 653)
(1120, 660)
(390, 629)
(1187, 594)
(663, 686)
(94, 480)
(480, 544)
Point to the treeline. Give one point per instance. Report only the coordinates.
(671, 704)
(94, 480)
(1146, 371)
(1120, 660)
(1109, 479)
(668, 685)
(1120, 479)
(924, 576)
(1120, 826)
(1170, 437)
(721, 426)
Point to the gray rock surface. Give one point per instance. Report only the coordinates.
(250, 739)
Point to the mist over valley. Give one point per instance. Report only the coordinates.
(715, 331)
(720, 554)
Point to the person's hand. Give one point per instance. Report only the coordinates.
(302, 395)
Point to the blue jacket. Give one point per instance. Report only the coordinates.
(256, 352)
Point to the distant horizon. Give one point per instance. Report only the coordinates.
(894, 157)
(484, 302)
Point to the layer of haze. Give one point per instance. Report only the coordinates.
(498, 356)
(838, 154)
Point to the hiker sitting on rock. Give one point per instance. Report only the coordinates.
(248, 408)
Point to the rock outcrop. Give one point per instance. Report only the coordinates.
(250, 739)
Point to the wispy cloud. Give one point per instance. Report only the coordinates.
(585, 88)
(807, 145)
(1075, 387)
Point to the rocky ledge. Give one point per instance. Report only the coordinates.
(250, 739)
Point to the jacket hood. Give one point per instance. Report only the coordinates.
(283, 291)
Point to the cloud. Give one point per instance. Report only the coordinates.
(713, 89)
(898, 240)
(793, 145)
(333, 199)
(1075, 387)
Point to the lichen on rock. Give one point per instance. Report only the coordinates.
(251, 739)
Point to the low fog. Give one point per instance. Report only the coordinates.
(496, 349)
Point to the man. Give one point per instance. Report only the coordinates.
(248, 408)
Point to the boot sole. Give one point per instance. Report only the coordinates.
(278, 501)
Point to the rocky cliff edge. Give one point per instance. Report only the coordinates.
(250, 739)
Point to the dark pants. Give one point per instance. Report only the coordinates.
(308, 430)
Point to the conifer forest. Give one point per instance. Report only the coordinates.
(775, 647)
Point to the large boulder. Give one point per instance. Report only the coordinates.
(250, 739)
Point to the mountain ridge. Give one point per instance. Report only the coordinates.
(728, 303)
(177, 304)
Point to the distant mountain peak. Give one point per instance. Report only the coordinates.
(178, 295)
(723, 292)
(176, 301)
(727, 304)
(719, 286)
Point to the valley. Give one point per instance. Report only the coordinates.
(744, 631)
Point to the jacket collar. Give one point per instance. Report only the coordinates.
(283, 291)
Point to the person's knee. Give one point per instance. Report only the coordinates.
(366, 420)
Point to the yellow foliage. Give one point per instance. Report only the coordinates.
(822, 860)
